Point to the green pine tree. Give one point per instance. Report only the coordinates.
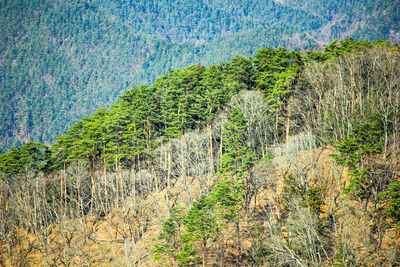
(364, 141)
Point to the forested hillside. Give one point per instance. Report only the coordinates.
(284, 158)
(60, 60)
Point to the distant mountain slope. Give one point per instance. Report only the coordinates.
(201, 21)
(60, 60)
(367, 19)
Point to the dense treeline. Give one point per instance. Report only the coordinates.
(59, 60)
(179, 102)
(233, 150)
(184, 100)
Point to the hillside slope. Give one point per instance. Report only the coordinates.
(282, 159)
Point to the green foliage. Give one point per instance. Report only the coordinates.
(292, 187)
(172, 244)
(202, 223)
(276, 71)
(200, 220)
(336, 49)
(363, 142)
(238, 75)
(228, 195)
(187, 257)
(30, 157)
(238, 158)
(315, 198)
(392, 197)
(346, 46)
(312, 197)
(232, 191)
(199, 226)
(215, 95)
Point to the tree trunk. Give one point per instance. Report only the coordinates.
(239, 242)
(276, 124)
(93, 200)
(168, 175)
(221, 144)
(288, 124)
(397, 240)
(211, 152)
